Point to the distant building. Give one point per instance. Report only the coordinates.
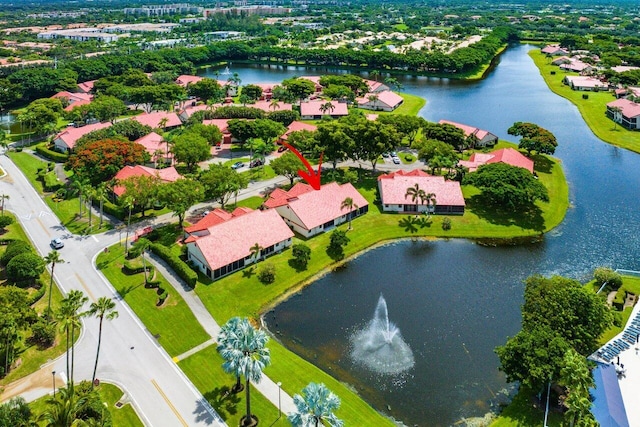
(163, 9)
(509, 156)
(584, 83)
(554, 50)
(315, 110)
(79, 34)
(625, 112)
(247, 10)
(66, 140)
(484, 138)
(165, 175)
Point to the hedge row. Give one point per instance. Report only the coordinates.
(181, 268)
(50, 154)
(35, 297)
(113, 210)
(50, 182)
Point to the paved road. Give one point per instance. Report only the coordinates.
(130, 356)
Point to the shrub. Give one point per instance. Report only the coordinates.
(618, 301)
(135, 266)
(50, 182)
(114, 210)
(585, 96)
(609, 276)
(5, 221)
(408, 158)
(35, 297)
(43, 333)
(25, 268)
(301, 254)
(15, 248)
(446, 223)
(267, 274)
(181, 268)
(50, 154)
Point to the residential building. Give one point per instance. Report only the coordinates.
(156, 120)
(577, 66)
(163, 9)
(221, 124)
(223, 242)
(484, 138)
(375, 86)
(165, 175)
(554, 50)
(625, 112)
(71, 100)
(296, 126)
(86, 87)
(310, 212)
(509, 156)
(66, 140)
(248, 10)
(380, 101)
(315, 110)
(584, 83)
(186, 79)
(156, 146)
(393, 193)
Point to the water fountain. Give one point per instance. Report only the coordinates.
(379, 346)
(226, 71)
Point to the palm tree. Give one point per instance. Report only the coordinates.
(3, 197)
(246, 354)
(89, 192)
(64, 408)
(163, 123)
(128, 202)
(255, 251)
(100, 193)
(80, 185)
(315, 407)
(69, 320)
(374, 74)
(227, 337)
(615, 111)
(393, 82)
(52, 258)
(105, 307)
(274, 104)
(327, 106)
(430, 200)
(374, 99)
(348, 204)
(416, 193)
(140, 246)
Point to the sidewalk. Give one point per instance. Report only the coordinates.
(267, 386)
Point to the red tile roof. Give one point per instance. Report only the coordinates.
(214, 217)
(232, 240)
(73, 99)
(169, 174)
(628, 108)
(316, 207)
(221, 124)
(296, 127)
(280, 197)
(152, 143)
(468, 130)
(86, 87)
(385, 97)
(509, 156)
(267, 107)
(312, 108)
(186, 79)
(71, 135)
(153, 119)
(393, 188)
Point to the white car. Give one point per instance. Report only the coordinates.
(57, 243)
(396, 160)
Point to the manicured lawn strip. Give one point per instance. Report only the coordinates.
(242, 294)
(592, 109)
(253, 202)
(204, 369)
(521, 412)
(66, 210)
(123, 416)
(170, 321)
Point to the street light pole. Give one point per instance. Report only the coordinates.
(53, 374)
(279, 384)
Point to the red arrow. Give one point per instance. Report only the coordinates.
(312, 177)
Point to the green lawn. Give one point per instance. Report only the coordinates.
(523, 411)
(592, 109)
(629, 284)
(167, 322)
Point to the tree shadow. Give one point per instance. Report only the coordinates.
(527, 217)
(125, 290)
(542, 164)
(249, 272)
(223, 401)
(408, 224)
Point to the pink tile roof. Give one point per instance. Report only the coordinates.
(186, 79)
(583, 81)
(628, 108)
(214, 217)
(266, 87)
(86, 87)
(312, 108)
(297, 126)
(373, 85)
(317, 207)
(73, 97)
(232, 240)
(509, 156)
(71, 135)
(393, 188)
(152, 143)
(188, 111)
(280, 197)
(221, 124)
(575, 65)
(267, 107)
(314, 79)
(169, 174)
(551, 49)
(468, 130)
(153, 119)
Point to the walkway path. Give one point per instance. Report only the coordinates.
(267, 386)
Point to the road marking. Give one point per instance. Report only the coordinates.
(176, 360)
(26, 218)
(43, 227)
(43, 213)
(166, 399)
(84, 285)
(95, 238)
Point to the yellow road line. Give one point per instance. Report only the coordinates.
(166, 399)
(42, 225)
(85, 287)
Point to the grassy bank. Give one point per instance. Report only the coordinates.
(167, 322)
(592, 109)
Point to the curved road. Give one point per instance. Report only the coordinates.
(130, 356)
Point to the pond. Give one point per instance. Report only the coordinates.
(454, 301)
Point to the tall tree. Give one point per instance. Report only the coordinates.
(190, 148)
(255, 251)
(3, 197)
(287, 165)
(349, 205)
(221, 183)
(245, 353)
(103, 308)
(53, 258)
(315, 407)
(69, 320)
(416, 193)
(180, 195)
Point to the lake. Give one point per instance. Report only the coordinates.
(455, 301)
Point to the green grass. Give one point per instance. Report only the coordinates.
(592, 109)
(401, 27)
(204, 369)
(253, 202)
(522, 412)
(169, 321)
(629, 284)
(109, 394)
(65, 210)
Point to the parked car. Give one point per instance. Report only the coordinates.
(256, 162)
(281, 149)
(396, 160)
(386, 155)
(394, 154)
(57, 243)
(237, 165)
